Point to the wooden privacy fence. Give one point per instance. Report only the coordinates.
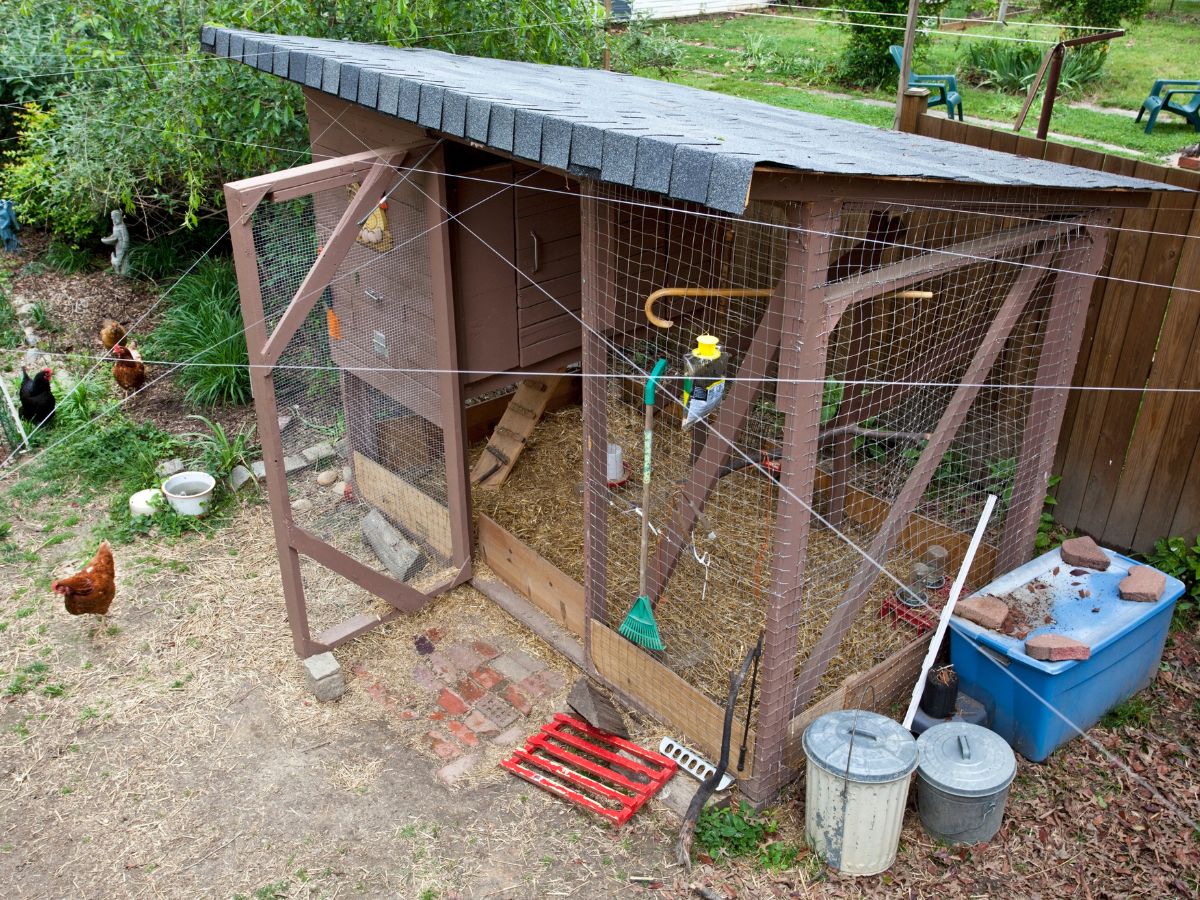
(1129, 454)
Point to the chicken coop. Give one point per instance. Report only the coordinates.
(454, 310)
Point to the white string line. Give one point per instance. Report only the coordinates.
(533, 373)
(142, 317)
(23, 463)
(958, 34)
(940, 18)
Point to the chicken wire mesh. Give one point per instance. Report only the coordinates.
(357, 393)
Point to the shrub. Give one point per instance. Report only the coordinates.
(203, 332)
(1010, 67)
(866, 60)
(645, 46)
(1098, 13)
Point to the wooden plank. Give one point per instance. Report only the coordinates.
(521, 416)
(531, 315)
(519, 607)
(693, 716)
(408, 506)
(337, 127)
(481, 418)
(557, 595)
(549, 348)
(1158, 344)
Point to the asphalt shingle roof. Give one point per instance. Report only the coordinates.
(682, 142)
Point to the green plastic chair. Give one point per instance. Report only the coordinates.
(1158, 101)
(946, 86)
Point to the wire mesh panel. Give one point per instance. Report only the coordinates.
(357, 391)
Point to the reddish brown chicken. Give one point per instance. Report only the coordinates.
(111, 333)
(93, 589)
(128, 371)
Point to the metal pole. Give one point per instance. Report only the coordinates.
(1051, 90)
(910, 34)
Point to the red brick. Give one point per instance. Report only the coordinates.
(451, 702)
(379, 694)
(541, 683)
(407, 714)
(990, 612)
(1083, 551)
(1056, 648)
(438, 716)
(469, 690)
(484, 649)
(517, 698)
(435, 634)
(442, 745)
(1143, 584)
(489, 678)
(479, 723)
(463, 733)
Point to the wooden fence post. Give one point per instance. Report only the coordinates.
(913, 105)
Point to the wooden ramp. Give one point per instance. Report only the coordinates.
(508, 439)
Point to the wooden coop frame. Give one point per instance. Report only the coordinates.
(800, 315)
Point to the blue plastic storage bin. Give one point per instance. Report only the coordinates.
(1036, 706)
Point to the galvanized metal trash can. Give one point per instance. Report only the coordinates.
(859, 767)
(962, 782)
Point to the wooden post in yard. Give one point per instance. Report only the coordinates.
(914, 103)
(910, 35)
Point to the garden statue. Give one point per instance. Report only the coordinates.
(120, 241)
(9, 226)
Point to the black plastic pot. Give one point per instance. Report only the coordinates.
(938, 699)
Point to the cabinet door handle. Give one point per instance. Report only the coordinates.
(536, 250)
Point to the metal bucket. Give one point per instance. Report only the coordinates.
(962, 782)
(859, 767)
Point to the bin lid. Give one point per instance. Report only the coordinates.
(876, 748)
(966, 760)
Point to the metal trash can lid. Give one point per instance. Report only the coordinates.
(876, 748)
(965, 760)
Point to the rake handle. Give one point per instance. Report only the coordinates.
(647, 448)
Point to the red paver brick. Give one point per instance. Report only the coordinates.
(443, 746)
(408, 714)
(479, 723)
(465, 659)
(435, 634)
(451, 702)
(1056, 648)
(438, 716)
(442, 666)
(990, 612)
(469, 690)
(488, 677)
(379, 694)
(1143, 584)
(484, 649)
(541, 683)
(517, 698)
(1083, 551)
(463, 733)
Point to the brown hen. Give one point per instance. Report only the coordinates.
(93, 589)
(112, 333)
(128, 371)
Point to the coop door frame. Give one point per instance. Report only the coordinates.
(376, 172)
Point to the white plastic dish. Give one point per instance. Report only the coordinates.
(142, 502)
(189, 493)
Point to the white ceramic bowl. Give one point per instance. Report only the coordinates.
(189, 493)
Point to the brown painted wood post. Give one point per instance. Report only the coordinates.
(802, 381)
(595, 248)
(241, 206)
(913, 105)
(1062, 336)
(458, 492)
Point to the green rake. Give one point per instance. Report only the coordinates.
(639, 625)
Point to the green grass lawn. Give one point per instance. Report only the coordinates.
(789, 62)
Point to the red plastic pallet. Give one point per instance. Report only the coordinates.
(621, 784)
(924, 619)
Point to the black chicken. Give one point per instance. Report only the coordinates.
(37, 400)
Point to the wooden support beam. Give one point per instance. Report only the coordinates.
(345, 233)
(918, 480)
(802, 356)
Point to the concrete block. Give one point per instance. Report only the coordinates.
(258, 469)
(318, 452)
(517, 665)
(169, 467)
(294, 464)
(324, 676)
(240, 477)
(495, 709)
